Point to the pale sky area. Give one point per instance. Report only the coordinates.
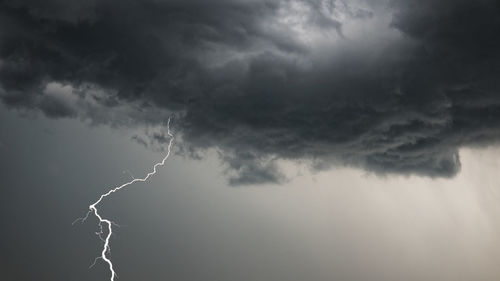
(343, 224)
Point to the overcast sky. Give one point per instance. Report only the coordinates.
(314, 139)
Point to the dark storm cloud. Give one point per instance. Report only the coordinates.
(256, 80)
(250, 168)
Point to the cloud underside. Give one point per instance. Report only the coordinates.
(387, 86)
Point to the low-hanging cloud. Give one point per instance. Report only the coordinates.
(387, 86)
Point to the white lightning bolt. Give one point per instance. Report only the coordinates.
(93, 208)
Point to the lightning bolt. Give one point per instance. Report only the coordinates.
(106, 223)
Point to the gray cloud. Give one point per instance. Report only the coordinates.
(250, 168)
(388, 86)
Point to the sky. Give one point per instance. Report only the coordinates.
(314, 140)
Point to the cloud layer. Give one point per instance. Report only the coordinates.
(387, 86)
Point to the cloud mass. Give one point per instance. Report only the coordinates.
(387, 86)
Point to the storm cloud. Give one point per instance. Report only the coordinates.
(387, 86)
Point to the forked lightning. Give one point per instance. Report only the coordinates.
(108, 223)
